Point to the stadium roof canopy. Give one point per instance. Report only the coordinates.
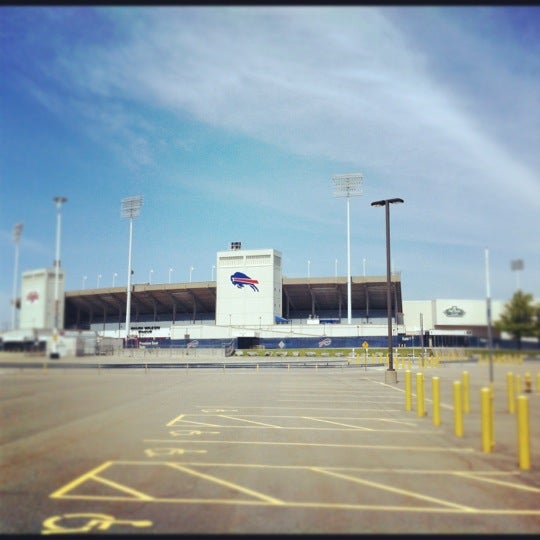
(198, 300)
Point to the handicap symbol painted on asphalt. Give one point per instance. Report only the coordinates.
(80, 523)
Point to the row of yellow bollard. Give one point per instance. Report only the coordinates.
(461, 406)
(502, 358)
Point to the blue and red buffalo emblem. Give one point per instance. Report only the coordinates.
(241, 280)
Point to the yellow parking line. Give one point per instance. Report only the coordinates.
(328, 445)
(232, 485)
(480, 478)
(249, 421)
(393, 489)
(359, 428)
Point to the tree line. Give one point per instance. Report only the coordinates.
(520, 317)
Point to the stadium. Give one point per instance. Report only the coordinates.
(250, 305)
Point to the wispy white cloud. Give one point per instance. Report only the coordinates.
(436, 106)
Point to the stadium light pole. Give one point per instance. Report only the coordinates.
(59, 201)
(131, 208)
(114, 278)
(150, 277)
(516, 266)
(391, 374)
(16, 237)
(190, 271)
(170, 272)
(348, 185)
(84, 278)
(98, 280)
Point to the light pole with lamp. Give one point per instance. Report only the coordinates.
(170, 272)
(98, 280)
(390, 375)
(190, 271)
(348, 185)
(150, 277)
(131, 207)
(488, 316)
(84, 278)
(59, 201)
(114, 279)
(16, 237)
(517, 266)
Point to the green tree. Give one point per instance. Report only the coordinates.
(518, 317)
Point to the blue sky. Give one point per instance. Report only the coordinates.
(231, 121)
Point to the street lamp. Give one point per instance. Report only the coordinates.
(98, 280)
(170, 272)
(131, 207)
(190, 271)
(391, 375)
(16, 237)
(348, 185)
(114, 279)
(84, 282)
(488, 316)
(150, 277)
(59, 201)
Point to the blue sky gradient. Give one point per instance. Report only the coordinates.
(231, 121)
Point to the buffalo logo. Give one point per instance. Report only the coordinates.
(193, 344)
(454, 311)
(241, 280)
(325, 342)
(32, 296)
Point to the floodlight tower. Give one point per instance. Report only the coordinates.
(348, 185)
(131, 207)
(16, 237)
(516, 266)
(59, 201)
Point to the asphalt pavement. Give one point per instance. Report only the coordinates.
(143, 445)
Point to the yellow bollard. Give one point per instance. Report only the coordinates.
(527, 382)
(436, 400)
(524, 446)
(420, 395)
(486, 404)
(466, 397)
(458, 409)
(517, 380)
(492, 416)
(408, 394)
(510, 392)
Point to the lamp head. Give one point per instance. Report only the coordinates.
(384, 202)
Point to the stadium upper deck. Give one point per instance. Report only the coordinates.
(302, 297)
